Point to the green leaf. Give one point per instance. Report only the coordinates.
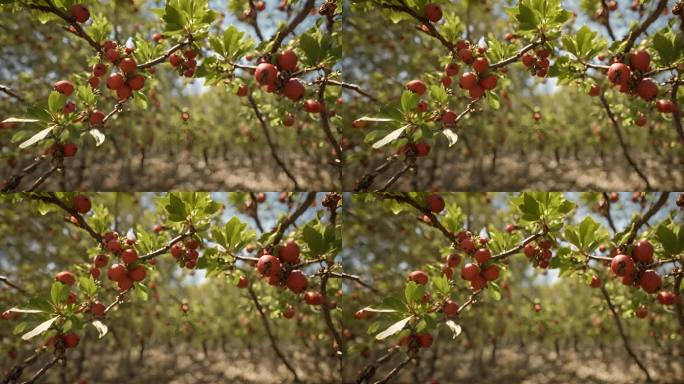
(413, 292)
(87, 285)
(176, 208)
(393, 329)
(56, 102)
(409, 101)
(59, 292)
(390, 137)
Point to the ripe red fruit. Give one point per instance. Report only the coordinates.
(595, 90)
(478, 283)
(647, 89)
(95, 272)
(289, 312)
(482, 255)
(640, 60)
(537, 307)
(419, 277)
(97, 308)
(69, 107)
(435, 203)
(641, 312)
(467, 245)
(123, 93)
(468, 80)
(528, 59)
(125, 283)
(488, 82)
(266, 74)
(622, 265)
(481, 64)
(294, 89)
(175, 60)
(71, 340)
(112, 54)
(97, 117)
(138, 273)
(94, 82)
(127, 65)
(115, 81)
(470, 271)
(100, 260)
(129, 256)
(453, 260)
(99, 69)
(312, 106)
(640, 120)
(243, 282)
(416, 86)
(666, 298)
(136, 82)
(529, 250)
(476, 92)
(297, 281)
(289, 252)
(595, 282)
(117, 272)
(618, 73)
(433, 12)
(665, 106)
(450, 308)
(177, 250)
(80, 13)
(268, 265)
(422, 149)
(82, 204)
(451, 69)
(64, 87)
(69, 149)
(446, 81)
(643, 251)
(66, 277)
(491, 273)
(425, 340)
(448, 116)
(313, 298)
(465, 54)
(287, 60)
(650, 281)
(71, 299)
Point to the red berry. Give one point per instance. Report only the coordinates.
(419, 277)
(595, 282)
(97, 117)
(528, 60)
(80, 13)
(289, 252)
(97, 308)
(115, 81)
(66, 277)
(69, 107)
(287, 60)
(416, 86)
(666, 298)
(100, 260)
(595, 90)
(641, 312)
(136, 82)
(312, 106)
(433, 12)
(117, 272)
(125, 283)
(488, 82)
(99, 69)
(123, 93)
(622, 265)
(450, 308)
(491, 273)
(640, 60)
(468, 80)
(665, 106)
(138, 273)
(243, 282)
(650, 281)
(127, 65)
(175, 60)
(71, 340)
(268, 266)
(94, 82)
(465, 54)
(643, 251)
(242, 90)
(288, 120)
(422, 149)
(529, 250)
(619, 73)
(112, 54)
(451, 69)
(297, 281)
(425, 340)
(289, 312)
(95, 272)
(64, 87)
(647, 89)
(435, 203)
(481, 64)
(482, 255)
(467, 245)
(294, 89)
(266, 74)
(470, 271)
(82, 204)
(313, 298)
(69, 149)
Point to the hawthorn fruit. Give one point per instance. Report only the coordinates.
(294, 89)
(468, 80)
(450, 308)
(65, 277)
(297, 281)
(425, 340)
(117, 272)
(643, 251)
(418, 277)
(243, 282)
(97, 308)
(71, 340)
(137, 273)
(641, 312)
(313, 298)
(665, 106)
(640, 60)
(115, 81)
(618, 73)
(136, 83)
(125, 283)
(482, 255)
(127, 65)
(435, 203)
(64, 87)
(622, 265)
(467, 245)
(433, 12)
(289, 252)
(289, 312)
(312, 106)
(453, 260)
(647, 89)
(595, 282)
(82, 204)
(488, 82)
(470, 271)
(268, 266)
(129, 256)
(266, 74)
(451, 69)
(481, 64)
(287, 60)
(80, 13)
(69, 149)
(416, 86)
(595, 90)
(491, 273)
(650, 281)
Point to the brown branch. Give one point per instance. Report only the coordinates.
(255, 212)
(269, 140)
(519, 54)
(42, 371)
(51, 198)
(12, 183)
(325, 124)
(357, 279)
(395, 370)
(269, 332)
(677, 113)
(606, 21)
(341, 351)
(630, 39)
(163, 58)
(15, 373)
(5, 280)
(405, 198)
(431, 30)
(354, 87)
(79, 31)
(369, 371)
(43, 177)
(520, 246)
(395, 177)
(678, 302)
(289, 220)
(607, 214)
(278, 38)
(618, 323)
(621, 140)
(640, 221)
(255, 22)
(168, 245)
(367, 180)
(10, 92)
